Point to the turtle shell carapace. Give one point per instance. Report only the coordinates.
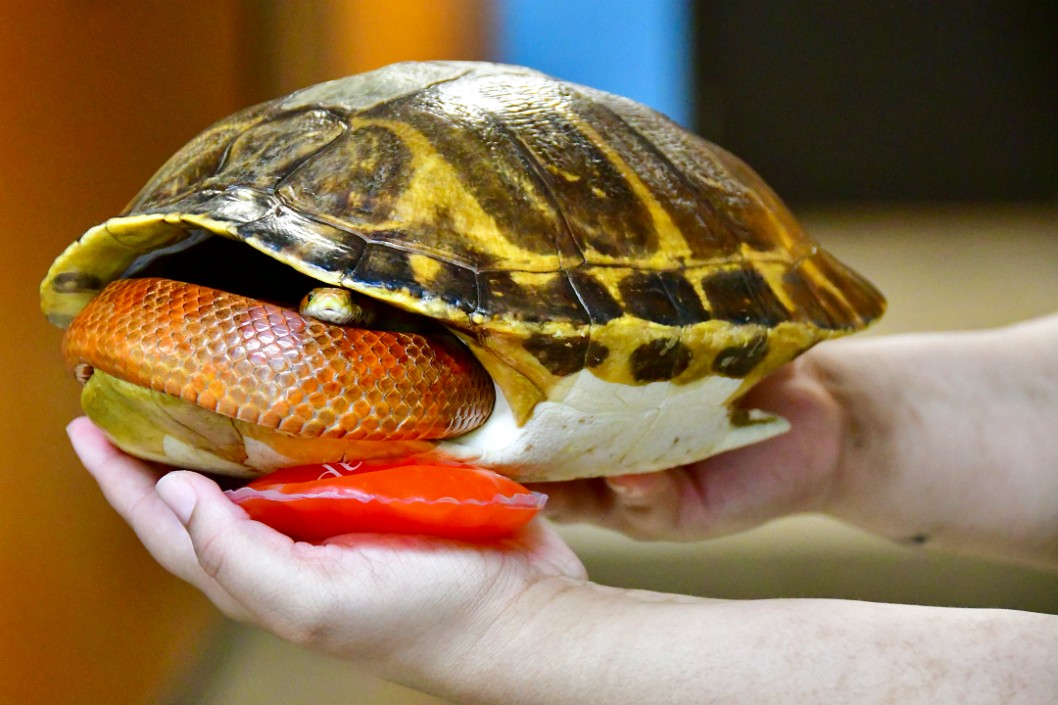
(593, 255)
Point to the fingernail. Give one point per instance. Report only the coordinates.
(178, 495)
(72, 425)
(626, 487)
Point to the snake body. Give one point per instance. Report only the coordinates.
(271, 366)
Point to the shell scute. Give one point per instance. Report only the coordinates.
(385, 268)
(202, 157)
(593, 192)
(531, 297)
(714, 202)
(357, 182)
(504, 215)
(861, 301)
(266, 153)
(740, 360)
(660, 359)
(320, 249)
(813, 305)
(693, 225)
(662, 297)
(562, 356)
(602, 306)
(743, 295)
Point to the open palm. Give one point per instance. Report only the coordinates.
(372, 597)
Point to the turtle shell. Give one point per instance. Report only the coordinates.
(553, 227)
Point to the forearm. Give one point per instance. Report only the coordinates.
(574, 642)
(952, 439)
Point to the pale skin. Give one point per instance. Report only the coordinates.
(947, 440)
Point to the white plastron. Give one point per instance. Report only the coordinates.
(589, 427)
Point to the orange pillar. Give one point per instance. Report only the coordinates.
(95, 97)
(369, 34)
(304, 43)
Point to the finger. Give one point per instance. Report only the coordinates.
(129, 486)
(282, 585)
(752, 485)
(789, 473)
(651, 505)
(575, 501)
(643, 506)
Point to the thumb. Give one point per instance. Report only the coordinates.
(176, 491)
(245, 557)
(277, 584)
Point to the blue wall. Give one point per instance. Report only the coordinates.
(636, 48)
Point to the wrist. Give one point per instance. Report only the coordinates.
(500, 637)
(889, 402)
(831, 370)
(948, 439)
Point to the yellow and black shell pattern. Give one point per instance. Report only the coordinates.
(552, 226)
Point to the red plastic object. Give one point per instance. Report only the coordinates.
(316, 502)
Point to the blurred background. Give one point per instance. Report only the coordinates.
(916, 140)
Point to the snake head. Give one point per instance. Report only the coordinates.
(338, 306)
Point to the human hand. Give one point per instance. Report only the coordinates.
(796, 471)
(381, 600)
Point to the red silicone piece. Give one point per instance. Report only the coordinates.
(316, 502)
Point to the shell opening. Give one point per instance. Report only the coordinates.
(229, 265)
(226, 264)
